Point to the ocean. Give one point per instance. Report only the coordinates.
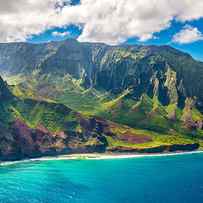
(164, 179)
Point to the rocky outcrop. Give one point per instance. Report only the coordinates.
(191, 118)
(171, 84)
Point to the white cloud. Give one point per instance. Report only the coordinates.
(188, 34)
(60, 34)
(109, 21)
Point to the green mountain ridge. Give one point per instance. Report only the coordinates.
(154, 70)
(128, 98)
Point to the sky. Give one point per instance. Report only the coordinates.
(178, 23)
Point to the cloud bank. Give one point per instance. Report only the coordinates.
(109, 21)
(187, 35)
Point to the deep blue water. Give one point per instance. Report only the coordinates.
(174, 179)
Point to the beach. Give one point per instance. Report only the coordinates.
(97, 156)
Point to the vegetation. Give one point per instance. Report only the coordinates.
(96, 97)
(145, 113)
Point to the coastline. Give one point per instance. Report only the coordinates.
(96, 156)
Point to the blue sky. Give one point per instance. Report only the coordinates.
(158, 22)
(165, 38)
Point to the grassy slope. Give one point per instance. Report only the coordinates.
(146, 114)
(55, 117)
(65, 90)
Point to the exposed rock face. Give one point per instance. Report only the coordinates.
(24, 142)
(191, 121)
(171, 84)
(163, 71)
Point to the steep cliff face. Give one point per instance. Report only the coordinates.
(163, 71)
(155, 70)
(79, 75)
(191, 117)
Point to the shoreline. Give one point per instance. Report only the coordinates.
(96, 156)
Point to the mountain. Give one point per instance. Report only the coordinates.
(155, 70)
(66, 97)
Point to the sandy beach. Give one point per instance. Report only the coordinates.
(96, 156)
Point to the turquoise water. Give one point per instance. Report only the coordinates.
(174, 179)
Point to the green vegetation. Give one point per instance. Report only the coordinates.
(146, 113)
(157, 142)
(55, 117)
(98, 95)
(65, 90)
